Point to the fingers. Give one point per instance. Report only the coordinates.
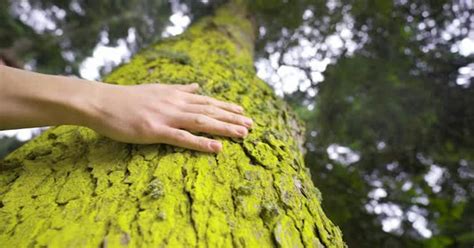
(205, 100)
(192, 112)
(182, 138)
(189, 88)
(219, 114)
(203, 123)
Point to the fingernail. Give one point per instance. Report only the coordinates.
(195, 85)
(248, 122)
(242, 132)
(215, 146)
(239, 109)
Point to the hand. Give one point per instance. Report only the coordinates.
(158, 113)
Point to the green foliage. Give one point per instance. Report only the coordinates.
(403, 113)
(80, 25)
(398, 106)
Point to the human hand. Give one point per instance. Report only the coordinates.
(158, 113)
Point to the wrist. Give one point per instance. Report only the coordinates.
(84, 102)
(32, 99)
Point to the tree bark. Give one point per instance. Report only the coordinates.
(72, 187)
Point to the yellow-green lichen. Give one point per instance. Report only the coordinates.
(71, 187)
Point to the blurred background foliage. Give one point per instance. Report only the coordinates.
(383, 86)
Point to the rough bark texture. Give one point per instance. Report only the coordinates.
(71, 187)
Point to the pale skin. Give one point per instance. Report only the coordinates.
(141, 114)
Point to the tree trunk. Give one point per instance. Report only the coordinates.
(71, 187)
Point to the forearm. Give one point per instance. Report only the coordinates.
(30, 99)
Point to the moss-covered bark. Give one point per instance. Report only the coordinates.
(71, 187)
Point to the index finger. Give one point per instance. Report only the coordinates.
(182, 138)
(206, 100)
(190, 88)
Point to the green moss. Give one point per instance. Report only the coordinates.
(172, 56)
(286, 234)
(72, 187)
(155, 189)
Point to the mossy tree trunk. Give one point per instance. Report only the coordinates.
(71, 187)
